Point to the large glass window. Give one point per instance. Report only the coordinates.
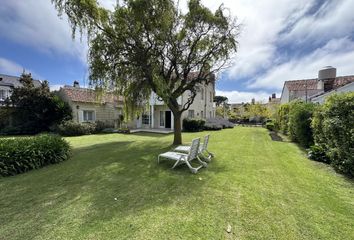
(3, 94)
(145, 119)
(89, 116)
(162, 118)
(191, 113)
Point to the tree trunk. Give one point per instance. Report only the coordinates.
(177, 129)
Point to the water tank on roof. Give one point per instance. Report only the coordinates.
(327, 72)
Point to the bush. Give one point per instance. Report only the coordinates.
(218, 122)
(212, 126)
(300, 114)
(193, 125)
(19, 155)
(270, 126)
(282, 118)
(101, 126)
(318, 153)
(334, 130)
(71, 128)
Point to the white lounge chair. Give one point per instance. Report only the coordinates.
(203, 148)
(181, 158)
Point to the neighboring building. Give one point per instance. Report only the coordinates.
(273, 99)
(312, 89)
(160, 116)
(88, 106)
(8, 83)
(322, 97)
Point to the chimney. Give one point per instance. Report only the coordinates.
(270, 99)
(274, 96)
(76, 84)
(326, 77)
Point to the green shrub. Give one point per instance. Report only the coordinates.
(193, 125)
(101, 125)
(300, 114)
(318, 153)
(71, 128)
(270, 126)
(19, 155)
(282, 118)
(212, 126)
(333, 127)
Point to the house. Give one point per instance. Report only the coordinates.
(316, 89)
(7, 83)
(322, 97)
(88, 106)
(159, 116)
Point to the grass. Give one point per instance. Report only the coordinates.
(263, 189)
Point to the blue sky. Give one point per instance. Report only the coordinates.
(280, 40)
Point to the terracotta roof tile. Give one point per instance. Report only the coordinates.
(300, 85)
(89, 95)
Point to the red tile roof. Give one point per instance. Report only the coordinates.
(76, 94)
(300, 85)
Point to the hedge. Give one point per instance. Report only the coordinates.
(333, 127)
(193, 124)
(282, 118)
(71, 128)
(19, 155)
(299, 126)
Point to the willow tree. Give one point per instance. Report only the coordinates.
(145, 46)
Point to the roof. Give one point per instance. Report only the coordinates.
(300, 85)
(13, 81)
(87, 95)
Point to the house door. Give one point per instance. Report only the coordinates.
(168, 119)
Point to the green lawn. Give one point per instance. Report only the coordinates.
(262, 188)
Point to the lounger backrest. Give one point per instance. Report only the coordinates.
(193, 152)
(205, 143)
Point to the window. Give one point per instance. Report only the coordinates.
(210, 115)
(201, 114)
(191, 113)
(211, 97)
(202, 92)
(162, 118)
(145, 119)
(3, 94)
(89, 116)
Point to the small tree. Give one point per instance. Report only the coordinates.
(220, 100)
(150, 45)
(35, 109)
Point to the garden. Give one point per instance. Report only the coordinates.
(112, 187)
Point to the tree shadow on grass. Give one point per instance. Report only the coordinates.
(99, 183)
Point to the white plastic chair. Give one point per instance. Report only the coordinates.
(181, 158)
(203, 148)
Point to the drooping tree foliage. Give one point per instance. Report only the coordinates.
(34, 109)
(145, 46)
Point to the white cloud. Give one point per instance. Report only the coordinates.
(262, 22)
(334, 19)
(55, 87)
(9, 67)
(238, 96)
(337, 52)
(35, 23)
(12, 68)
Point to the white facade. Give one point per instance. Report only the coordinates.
(159, 116)
(321, 99)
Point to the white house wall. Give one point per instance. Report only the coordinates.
(322, 98)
